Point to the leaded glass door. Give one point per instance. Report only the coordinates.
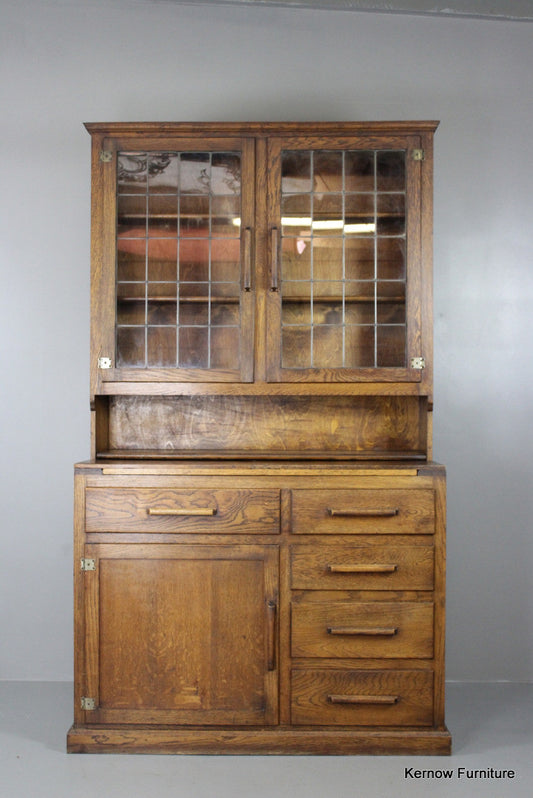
(345, 260)
(183, 231)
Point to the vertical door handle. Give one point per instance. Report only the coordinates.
(272, 611)
(274, 255)
(247, 259)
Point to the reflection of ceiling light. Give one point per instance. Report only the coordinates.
(326, 224)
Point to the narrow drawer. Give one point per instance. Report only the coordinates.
(362, 698)
(373, 629)
(362, 567)
(352, 512)
(193, 511)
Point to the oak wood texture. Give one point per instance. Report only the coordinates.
(365, 698)
(352, 567)
(401, 427)
(259, 552)
(155, 594)
(379, 512)
(167, 605)
(182, 426)
(201, 511)
(387, 629)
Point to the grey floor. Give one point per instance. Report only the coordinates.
(492, 727)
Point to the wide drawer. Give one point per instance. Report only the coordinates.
(203, 511)
(362, 629)
(362, 567)
(352, 512)
(362, 698)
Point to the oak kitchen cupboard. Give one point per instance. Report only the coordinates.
(260, 530)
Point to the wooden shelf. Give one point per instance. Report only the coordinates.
(230, 454)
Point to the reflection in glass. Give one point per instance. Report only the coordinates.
(178, 259)
(343, 269)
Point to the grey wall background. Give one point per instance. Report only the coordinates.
(68, 61)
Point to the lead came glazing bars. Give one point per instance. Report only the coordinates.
(366, 204)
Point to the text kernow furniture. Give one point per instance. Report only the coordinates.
(260, 530)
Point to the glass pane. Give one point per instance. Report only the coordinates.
(131, 172)
(161, 347)
(359, 214)
(295, 313)
(131, 306)
(162, 260)
(390, 171)
(194, 216)
(295, 172)
(130, 347)
(131, 212)
(162, 216)
(359, 258)
(390, 214)
(390, 302)
(328, 347)
(328, 259)
(225, 314)
(161, 311)
(359, 344)
(296, 348)
(327, 171)
(359, 170)
(179, 226)
(391, 343)
(328, 215)
(225, 216)
(224, 347)
(225, 173)
(296, 215)
(224, 270)
(195, 173)
(343, 262)
(163, 169)
(391, 258)
(193, 259)
(131, 265)
(194, 313)
(328, 313)
(194, 347)
(296, 259)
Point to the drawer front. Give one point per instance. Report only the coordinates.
(362, 698)
(373, 629)
(193, 511)
(352, 512)
(362, 567)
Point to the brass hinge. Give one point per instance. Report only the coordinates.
(106, 156)
(88, 564)
(88, 703)
(419, 155)
(418, 363)
(104, 362)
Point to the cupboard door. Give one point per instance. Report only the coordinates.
(181, 634)
(344, 227)
(178, 225)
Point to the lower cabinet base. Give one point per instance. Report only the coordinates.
(126, 739)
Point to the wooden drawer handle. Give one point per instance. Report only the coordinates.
(363, 699)
(385, 512)
(364, 568)
(204, 511)
(376, 631)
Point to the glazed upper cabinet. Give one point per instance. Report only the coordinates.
(261, 253)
